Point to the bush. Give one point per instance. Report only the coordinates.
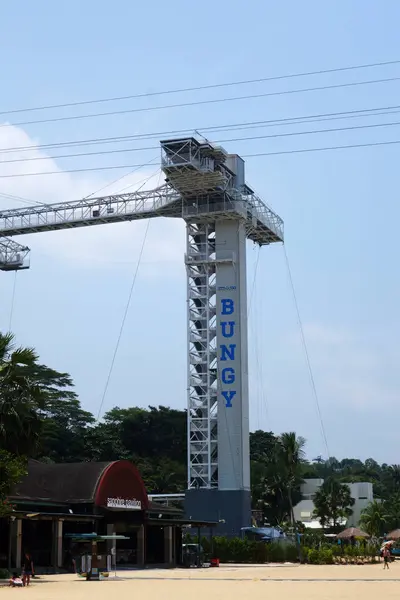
(237, 550)
(313, 556)
(4, 574)
(326, 556)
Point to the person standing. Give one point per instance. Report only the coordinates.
(27, 569)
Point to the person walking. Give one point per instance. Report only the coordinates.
(27, 569)
(386, 557)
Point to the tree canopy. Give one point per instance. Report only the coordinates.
(333, 503)
(42, 417)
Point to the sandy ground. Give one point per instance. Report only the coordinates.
(233, 582)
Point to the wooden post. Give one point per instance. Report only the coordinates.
(140, 553)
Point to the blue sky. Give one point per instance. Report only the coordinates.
(340, 208)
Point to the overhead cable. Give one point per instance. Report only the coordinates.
(256, 155)
(222, 141)
(306, 353)
(201, 87)
(202, 102)
(298, 120)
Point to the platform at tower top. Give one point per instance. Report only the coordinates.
(212, 185)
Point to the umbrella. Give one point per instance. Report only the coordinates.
(352, 532)
(394, 535)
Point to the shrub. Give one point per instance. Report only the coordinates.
(4, 574)
(313, 556)
(245, 551)
(326, 556)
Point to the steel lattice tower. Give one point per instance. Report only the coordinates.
(221, 211)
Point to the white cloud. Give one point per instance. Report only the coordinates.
(100, 246)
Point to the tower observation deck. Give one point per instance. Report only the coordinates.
(206, 187)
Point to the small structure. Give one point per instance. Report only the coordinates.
(352, 533)
(393, 535)
(96, 564)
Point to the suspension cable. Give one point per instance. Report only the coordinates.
(12, 301)
(306, 353)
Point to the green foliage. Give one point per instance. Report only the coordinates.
(333, 502)
(12, 470)
(276, 471)
(374, 518)
(41, 417)
(4, 574)
(334, 554)
(27, 392)
(237, 550)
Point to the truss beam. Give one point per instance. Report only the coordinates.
(163, 201)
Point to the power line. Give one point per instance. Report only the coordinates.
(201, 102)
(119, 179)
(12, 301)
(298, 120)
(135, 274)
(123, 320)
(303, 150)
(222, 141)
(307, 356)
(259, 154)
(202, 87)
(18, 198)
(253, 286)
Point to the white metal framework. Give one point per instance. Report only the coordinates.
(202, 357)
(205, 186)
(13, 256)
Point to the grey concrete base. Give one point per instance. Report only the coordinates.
(233, 507)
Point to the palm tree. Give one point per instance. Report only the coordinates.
(392, 509)
(20, 397)
(292, 457)
(373, 518)
(27, 390)
(333, 502)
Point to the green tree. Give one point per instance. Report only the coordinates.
(374, 518)
(291, 459)
(12, 470)
(392, 510)
(65, 428)
(151, 433)
(333, 503)
(27, 389)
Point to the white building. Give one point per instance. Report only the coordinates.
(362, 492)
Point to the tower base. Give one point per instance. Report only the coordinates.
(231, 509)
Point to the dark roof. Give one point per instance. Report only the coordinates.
(184, 523)
(52, 516)
(64, 483)
(156, 507)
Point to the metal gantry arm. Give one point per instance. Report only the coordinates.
(162, 201)
(13, 256)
